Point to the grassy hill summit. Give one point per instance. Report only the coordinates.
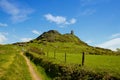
(55, 36)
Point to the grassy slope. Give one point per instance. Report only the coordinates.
(99, 63)
(13, 65)
(60, 47)
(70, 47)
(6, 58)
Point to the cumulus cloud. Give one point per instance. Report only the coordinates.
(36, 32)
(59, 19)
(2, 38)
(26, 39)
(17, 14)
(111, 44)
(3, 25)
(56, 19)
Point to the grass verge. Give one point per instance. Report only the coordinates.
(13, 65)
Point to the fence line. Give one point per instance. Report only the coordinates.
(65, 57)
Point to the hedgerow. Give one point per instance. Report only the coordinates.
(67, 71)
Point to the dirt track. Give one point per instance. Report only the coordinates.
(31, 69)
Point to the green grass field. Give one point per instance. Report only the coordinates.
(97, 63)
(110, 64)
(12, 64)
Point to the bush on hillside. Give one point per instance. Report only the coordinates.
(36, 50)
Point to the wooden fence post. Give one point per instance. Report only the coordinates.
(47, 53)
(54, 54)
(83, 58)
(65, 57)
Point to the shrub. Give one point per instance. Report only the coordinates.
(36, 50)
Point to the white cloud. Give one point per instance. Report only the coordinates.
(59, 19)
(115, 35)
(2, 38)
(73, 21)
(87, 12)
(17, 14)
(3, 25)
(26, 39)
(56, 19)
(36, 32)
(111, 44)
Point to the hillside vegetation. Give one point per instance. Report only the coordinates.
(12, 64)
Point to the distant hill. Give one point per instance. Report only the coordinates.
(55, 36)
(65, 42)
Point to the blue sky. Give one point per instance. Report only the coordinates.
(97, 22)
